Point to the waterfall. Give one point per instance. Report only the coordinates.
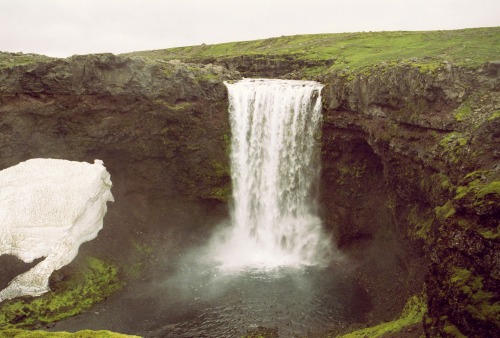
(275, 126)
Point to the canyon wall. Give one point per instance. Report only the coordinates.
(410, 159)
(433, 139)
(161, 129)
(167, 118)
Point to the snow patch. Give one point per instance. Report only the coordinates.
(48, 208)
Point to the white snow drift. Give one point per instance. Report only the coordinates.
(48, 208)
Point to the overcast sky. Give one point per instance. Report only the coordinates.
(66, 27)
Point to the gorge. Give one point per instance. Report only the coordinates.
(408, 188)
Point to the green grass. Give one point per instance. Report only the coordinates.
(323, 53)
(8, 60)
(424, 50)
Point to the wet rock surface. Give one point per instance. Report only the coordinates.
(410, 168)
(422, 146)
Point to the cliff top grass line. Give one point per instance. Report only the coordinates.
(465, 47)
(323, 53)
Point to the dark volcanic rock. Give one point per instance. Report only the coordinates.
(267, 66)
(410, 182)
(414, 157)
(161, 129)
(167, 117)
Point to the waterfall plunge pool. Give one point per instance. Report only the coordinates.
(282, 278)
(189, 298)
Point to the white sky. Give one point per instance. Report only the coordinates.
(66, 27)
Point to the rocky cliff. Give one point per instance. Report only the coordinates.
(159, 127)
(410, 159)
(422, 148)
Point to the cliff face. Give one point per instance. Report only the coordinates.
(410, 159)
(433, 140)
(158, 127)
(161, 129)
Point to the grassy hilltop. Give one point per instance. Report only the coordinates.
(355, 51)
(321, 53)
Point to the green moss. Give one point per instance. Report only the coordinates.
(455, 139)
(168, 69)
(490, 233)
(136, 266)
(85, 287)
(221, 169)
(480, 303)
(453, 145)
(445, 183)
(227, 144)
(176, 107)
(478, 190)
(223, 193)
(460, 275)
(494, 115)
(413, 313)
(220, 181)
(142, 248)
(463, 112)
(492, 188)
(420, 224)
(452, 331)
(11, 333)
(470, 181)
(445, 211)
(206, 76)
(425, 68)
(391, 203)
(474, 175)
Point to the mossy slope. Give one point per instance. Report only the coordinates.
(413, 313)
(76, 292)
(11, 333)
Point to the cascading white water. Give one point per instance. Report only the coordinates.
(275, 165)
